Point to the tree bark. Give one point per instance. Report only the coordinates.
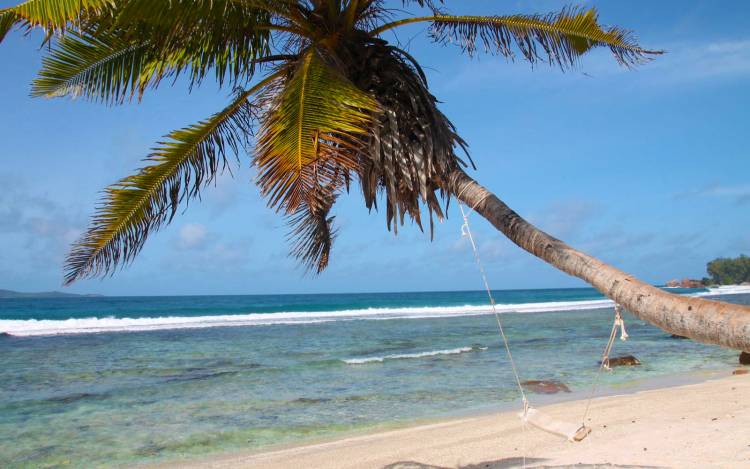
(708, 321)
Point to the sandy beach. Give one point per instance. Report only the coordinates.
(696, 425)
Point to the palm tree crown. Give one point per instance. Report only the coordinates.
(319, 98)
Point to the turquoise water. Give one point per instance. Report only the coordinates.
(320, 366)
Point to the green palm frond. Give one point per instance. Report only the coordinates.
(559, 38)
(224, 38)
(7, 20)
(181, 166)
(102, 67)
(201, 37)
(52, 15)
(314, 127)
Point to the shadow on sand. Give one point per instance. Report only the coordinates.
(510, 463)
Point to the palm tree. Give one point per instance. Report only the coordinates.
(324, 99)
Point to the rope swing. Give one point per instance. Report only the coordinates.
(531, 415)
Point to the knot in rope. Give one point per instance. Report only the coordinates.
(620, 322)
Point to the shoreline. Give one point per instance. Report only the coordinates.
(696, 419)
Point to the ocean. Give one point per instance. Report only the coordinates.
(123, 381)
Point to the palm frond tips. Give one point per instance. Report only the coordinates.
(559, 38)
(102, 67)
(312, 232)
(181, 166)
(318, 120)
(52, 15)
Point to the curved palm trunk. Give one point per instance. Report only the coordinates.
(708, 321)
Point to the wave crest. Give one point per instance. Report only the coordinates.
(454, 351)
(46, 327)
(41, 327)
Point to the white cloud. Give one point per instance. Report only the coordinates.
(208, 254)
(38, 226)
(682, 63)
(739, 193)
(567, 219)
(686, 62)
(192, 236)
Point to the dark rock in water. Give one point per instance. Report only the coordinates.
(625, 360)
(545, 387)
(744, 358)
(675, 336)
(70, 398)
(311, 400)
(150, 449)
(740, 372)
(4, 335)
(193, 374)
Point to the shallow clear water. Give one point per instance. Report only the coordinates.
(126, 398)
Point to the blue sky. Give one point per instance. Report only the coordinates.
(646, 169)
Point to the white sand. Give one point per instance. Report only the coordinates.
(694, 426)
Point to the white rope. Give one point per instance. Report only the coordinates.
(476, 204)
(466, 231)
(618, 323)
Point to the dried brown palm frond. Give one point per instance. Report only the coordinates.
(311, 228)
(413, 144)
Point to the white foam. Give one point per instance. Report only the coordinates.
(454, 351)
(34, 327)
(727, 290)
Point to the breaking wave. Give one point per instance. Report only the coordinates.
(46, 327)
(726, 290)
(41, 327)
(454, 351)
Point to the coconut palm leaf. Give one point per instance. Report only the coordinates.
(312, 131)
(182, 165)
(102, 67)
(53, 15)
(312, 233)
(223, 37)
(559, 38)
(105, 67)
(7, 20)
(226, 37)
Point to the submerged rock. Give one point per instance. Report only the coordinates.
(675, 336)
(625, 360)
(71, 398)
(744, 358)
(545, 387)
(311, 400)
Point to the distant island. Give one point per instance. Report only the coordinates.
(721, 271)
(44, 294)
